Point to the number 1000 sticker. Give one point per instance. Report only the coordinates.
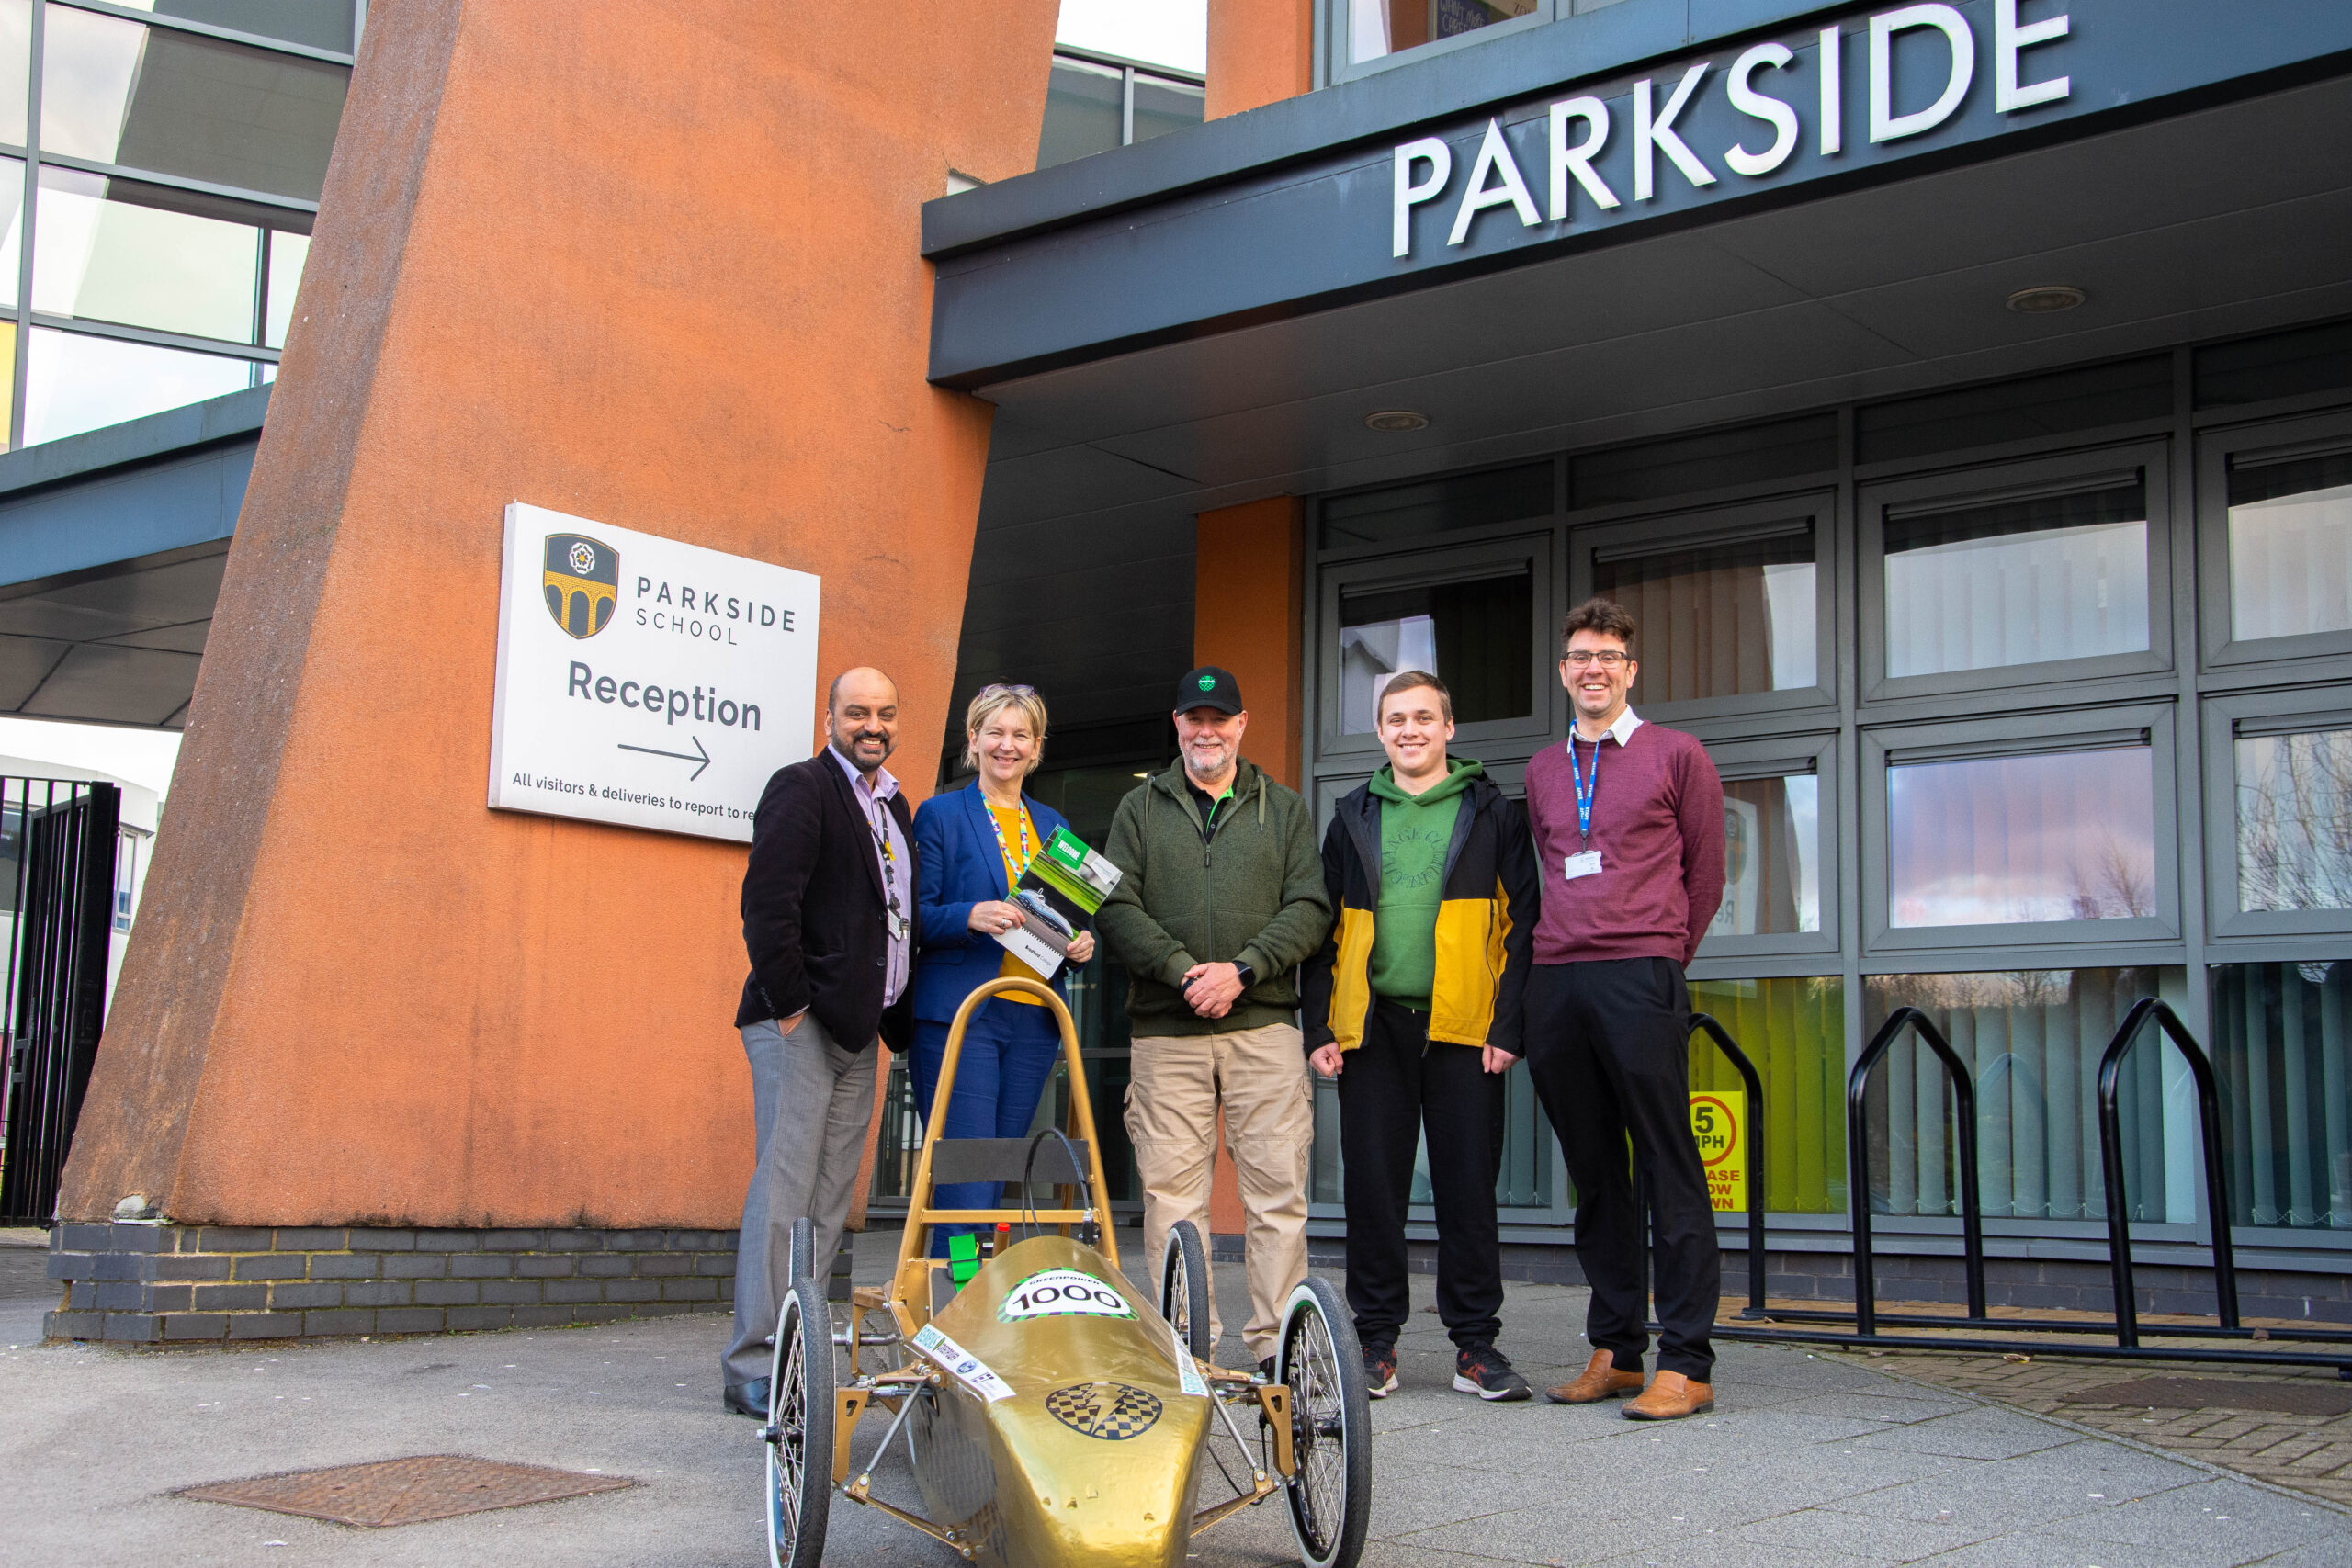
(1062, 1292)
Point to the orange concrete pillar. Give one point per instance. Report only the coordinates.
(1260, 50)
(651, 266)
(1249, 581)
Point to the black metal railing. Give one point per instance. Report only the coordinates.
(1858, 1142)
(1752, 1139)
(57, 838)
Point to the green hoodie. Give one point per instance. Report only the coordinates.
(1415, 832)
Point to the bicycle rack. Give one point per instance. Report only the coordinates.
(1703, 1023)
(2125, 1325)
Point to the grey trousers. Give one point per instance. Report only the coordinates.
(812, 1101)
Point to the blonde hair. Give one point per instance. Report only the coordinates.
(991, 700)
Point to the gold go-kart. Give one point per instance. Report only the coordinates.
(1053, 1414)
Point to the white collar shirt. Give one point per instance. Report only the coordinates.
(894, 859)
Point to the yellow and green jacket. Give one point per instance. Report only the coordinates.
(1486, 924)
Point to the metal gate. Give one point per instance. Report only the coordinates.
(57, 866)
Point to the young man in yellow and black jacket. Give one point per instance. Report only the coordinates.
(1413, 1004)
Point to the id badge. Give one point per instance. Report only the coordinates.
(899, 927)
(1587, 863)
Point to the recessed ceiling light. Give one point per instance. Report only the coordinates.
(2044, 298)
(1395, 419)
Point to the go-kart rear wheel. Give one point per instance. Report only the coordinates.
(801, 1262)
(1331, 1493)
(800, 1428)
(1184, 1288)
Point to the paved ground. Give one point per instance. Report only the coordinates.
(2309, 1451)
(1809, 1463)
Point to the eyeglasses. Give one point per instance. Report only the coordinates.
(1607, 658)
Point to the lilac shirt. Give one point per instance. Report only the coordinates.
(898, 866)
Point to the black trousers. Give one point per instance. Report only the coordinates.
(1391, 1087)
(1606, 1046)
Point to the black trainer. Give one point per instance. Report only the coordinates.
(1484, 1371)
(1379, 1370)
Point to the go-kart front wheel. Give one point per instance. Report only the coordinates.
(1322, 1363)
(1184, 1288)
(800, 1427)
(800, 1263)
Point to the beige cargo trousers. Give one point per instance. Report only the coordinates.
(1260, 1075)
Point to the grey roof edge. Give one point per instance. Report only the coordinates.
(1364, 109)
(186, 428)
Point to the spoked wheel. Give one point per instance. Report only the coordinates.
(1184, 1288)
(1330, 1495)
(800, 1428)
(801, 1263)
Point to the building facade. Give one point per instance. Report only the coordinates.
(1960, 396)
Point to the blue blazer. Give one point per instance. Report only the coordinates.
(957, 864)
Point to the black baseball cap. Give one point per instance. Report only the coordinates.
(1208, 687)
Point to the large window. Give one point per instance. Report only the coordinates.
(2000, 832)
(1728, 601)
(2283, 1045)
(173, 178)
(1477, 621)
(2031, 1040)
(2024, 709)
(2036, 572)
(2277, 546)
(1096, 102)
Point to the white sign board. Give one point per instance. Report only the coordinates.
(645, 681)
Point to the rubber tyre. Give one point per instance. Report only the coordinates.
(801, 1263)
(1184, 1288)
(1322, 1363)
(800, 1428)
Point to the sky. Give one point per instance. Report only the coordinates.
(137, 756)
(1158, 32)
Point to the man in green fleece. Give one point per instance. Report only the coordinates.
(1219, 899)
(1413, 1006)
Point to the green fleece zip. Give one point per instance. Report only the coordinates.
(1415, 832)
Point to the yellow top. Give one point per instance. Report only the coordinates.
(1014, 835)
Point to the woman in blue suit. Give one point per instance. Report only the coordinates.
(971, 846)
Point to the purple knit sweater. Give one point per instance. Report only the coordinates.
(1657, 821)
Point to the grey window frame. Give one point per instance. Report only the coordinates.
(1333, 66)
(1666, 532)
(2311, 436)
(2271, 712)
(1887, 948)
(1793, 952)
(1424, 568)
(1952, 490)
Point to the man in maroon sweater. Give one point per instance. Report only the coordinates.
(1633, 872)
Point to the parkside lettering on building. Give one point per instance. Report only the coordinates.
(1902, 73)
(645, 681)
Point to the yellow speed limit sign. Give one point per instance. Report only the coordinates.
(1719, 1122)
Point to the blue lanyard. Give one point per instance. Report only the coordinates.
(1584, 786)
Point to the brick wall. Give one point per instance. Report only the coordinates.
(149, 1283)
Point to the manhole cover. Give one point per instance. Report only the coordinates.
(405, 1491)
(2301, 1397)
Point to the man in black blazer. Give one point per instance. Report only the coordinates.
(829, 904)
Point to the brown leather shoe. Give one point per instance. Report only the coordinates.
(1599, 1380)
(1671, 1397)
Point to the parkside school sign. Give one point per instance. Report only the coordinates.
(1764, 85)
(644, 681)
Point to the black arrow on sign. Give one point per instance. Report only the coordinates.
(682, 756)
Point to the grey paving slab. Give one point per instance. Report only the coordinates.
(1982, 1432)
(2219, 1522)
(1874, 1539)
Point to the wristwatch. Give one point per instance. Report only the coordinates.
(1247, 975)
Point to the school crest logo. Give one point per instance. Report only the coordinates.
(583, 577)
(1112, 1411)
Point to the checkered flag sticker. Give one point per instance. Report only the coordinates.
(1113, 1411)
